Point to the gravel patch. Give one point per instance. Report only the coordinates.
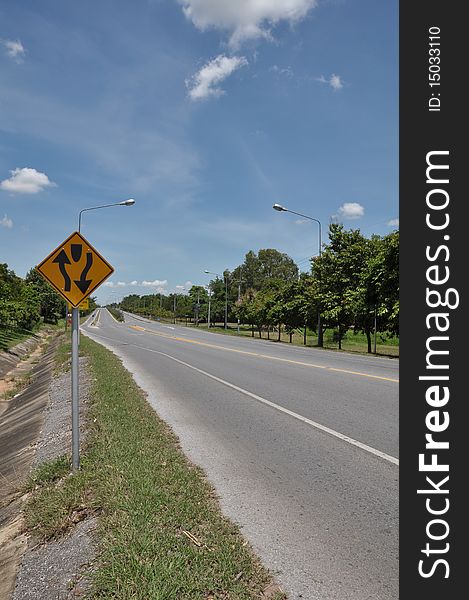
(56, 434)
(54, 571)
(59, 569)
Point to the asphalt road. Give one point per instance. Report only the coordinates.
(301, 445)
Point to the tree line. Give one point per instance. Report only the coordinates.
(25, 303)
(352, 285)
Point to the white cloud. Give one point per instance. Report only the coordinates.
(286, 71)
(14, 49)
(159, 285)
(393, 223)
(179, 289)
(301, 221)
(204, 83)
(335, 81)
(156, 283)
(351, 210)
(26, 181)
(245, 19)
(6, 222)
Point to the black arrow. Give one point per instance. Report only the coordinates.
(76, 250)
(84, 283)
(62, 259)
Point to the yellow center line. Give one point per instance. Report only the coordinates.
(258, 355)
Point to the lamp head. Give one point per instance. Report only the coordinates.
(128, 202)
(278, 207)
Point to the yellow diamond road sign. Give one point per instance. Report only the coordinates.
(75, 269)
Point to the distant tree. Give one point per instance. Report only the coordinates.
(199, 298)
(259, 269)
(247, 308)
(300, 304)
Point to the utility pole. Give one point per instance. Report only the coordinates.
(239, 294)
(197, 309)
(374, 344)
(226, 301)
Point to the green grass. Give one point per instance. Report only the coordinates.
(62, 355)
(116, 313)
(49, 472)
(352, 342)
(162, 535)
(357, 342)
(9, 337)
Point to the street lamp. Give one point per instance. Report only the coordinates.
(226, 294)
(209, 290)
(281, 208)
(128, 202)
(75, 363)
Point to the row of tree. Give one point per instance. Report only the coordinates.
(353, 284)
(24, 303)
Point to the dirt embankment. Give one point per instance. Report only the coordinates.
(35, 427)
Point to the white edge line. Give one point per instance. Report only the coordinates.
(337, 434)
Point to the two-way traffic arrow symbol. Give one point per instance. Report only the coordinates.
(83, 283)
(62, 260)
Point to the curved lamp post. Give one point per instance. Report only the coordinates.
(75, 364)
(209, 290)
(128, 202)
(281, 208)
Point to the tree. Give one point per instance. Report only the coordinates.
(19, 306)
(259, 269)
(199, 298)
(217, 300)
(357, 279)
(382, 279)
(247, 309)
(51, 304)
(10, 284)
(300, 306)
(338, 271)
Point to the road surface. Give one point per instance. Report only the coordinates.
(301, 445)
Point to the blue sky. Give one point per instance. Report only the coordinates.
(206, 112)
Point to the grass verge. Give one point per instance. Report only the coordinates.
(116, 313)
(351, 342)
(162, 535)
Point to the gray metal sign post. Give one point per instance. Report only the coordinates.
(75, 396)
(76, 261)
